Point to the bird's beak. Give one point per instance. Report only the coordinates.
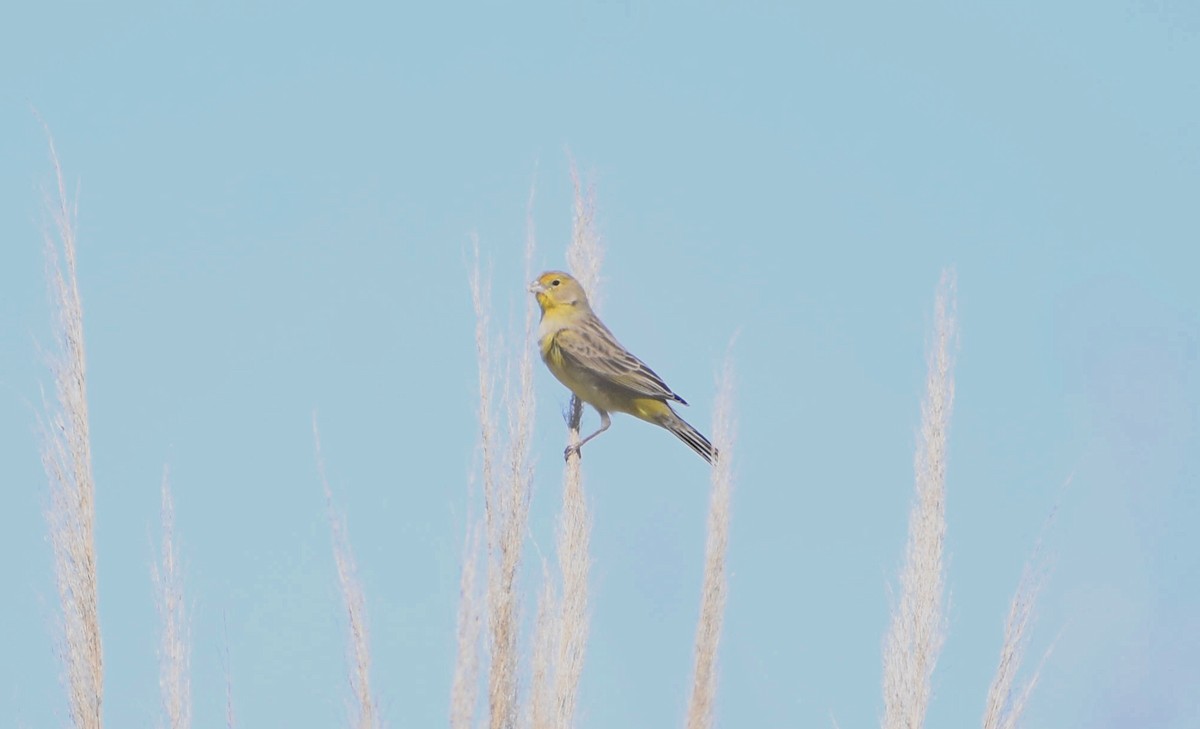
(537, 287)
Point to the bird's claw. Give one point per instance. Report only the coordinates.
(572, 450)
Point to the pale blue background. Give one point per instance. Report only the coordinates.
(275, 205)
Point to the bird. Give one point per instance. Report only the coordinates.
(585, 356)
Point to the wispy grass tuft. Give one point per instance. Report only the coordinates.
(1005, 701)
(542, 713)
(507, 485)
(712, 599)
(584, 256)
(364, 709)
(227, 669)
(67, 458)
(463, 688)
(574, 536)
(175, 639)
(506, 504)
(917, 629)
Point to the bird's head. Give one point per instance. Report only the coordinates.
(555, 288)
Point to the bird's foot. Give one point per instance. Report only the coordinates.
(572, 450)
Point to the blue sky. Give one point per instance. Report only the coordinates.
(276, 201)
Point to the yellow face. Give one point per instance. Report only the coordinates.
(555, 288)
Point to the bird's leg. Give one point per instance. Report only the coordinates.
(605, 421)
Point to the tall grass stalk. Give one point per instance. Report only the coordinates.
(584, 256)
(464, 685)
(175, 639)
(506, 503)
(67, 458)
(364, 709)
(574, 534)
(712, 596)
(227, 669)
(917, 630)
(507, 484)
(1006, 701)
(542, 713)
(500, 599)
(521, 406)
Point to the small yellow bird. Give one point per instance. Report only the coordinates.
(585, 356)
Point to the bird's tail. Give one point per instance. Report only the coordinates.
(686, 433)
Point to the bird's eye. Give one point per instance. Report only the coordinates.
(555, 282)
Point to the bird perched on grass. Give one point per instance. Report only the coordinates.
(585, 356)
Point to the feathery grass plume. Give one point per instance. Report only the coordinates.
(499, 596)
(175, 640)
(712, 599)
(463, 688)
(507, 484)
(574, 535)
(67, 458)
(1005, 703)
(226, 666)
(584, 256)
(502, 686)
(545, 643)
(917, 629)
(364, 712)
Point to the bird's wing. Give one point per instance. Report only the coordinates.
(592, 347)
